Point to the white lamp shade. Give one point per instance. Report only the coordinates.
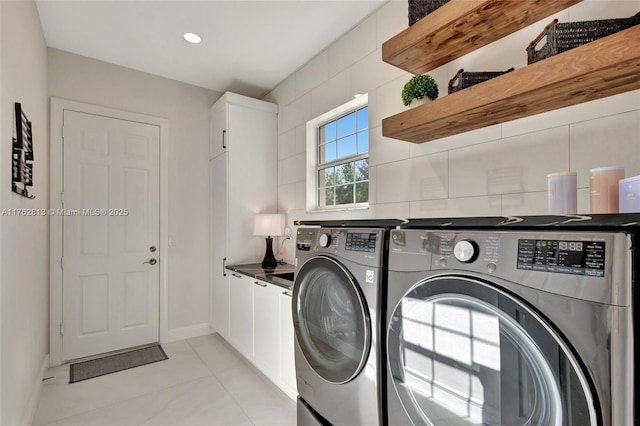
(268, 225)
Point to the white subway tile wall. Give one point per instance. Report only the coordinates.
(497, 170)
(331, 94)
(353, 46)
(313, 74)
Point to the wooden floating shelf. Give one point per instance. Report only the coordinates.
(460, 27)
(605, 67)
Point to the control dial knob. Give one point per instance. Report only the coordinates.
(324, 240)
(466, 251)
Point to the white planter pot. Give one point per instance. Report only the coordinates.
(418, 102)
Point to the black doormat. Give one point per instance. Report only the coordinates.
(110, 364)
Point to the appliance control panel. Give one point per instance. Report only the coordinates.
(364, 246)
(562, 256)
(361, 241)
(575, 254)
(588, 265)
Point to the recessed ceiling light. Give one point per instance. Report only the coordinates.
(192, 38)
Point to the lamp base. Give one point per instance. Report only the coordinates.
(269, 261)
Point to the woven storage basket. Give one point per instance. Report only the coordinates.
(566, 36)
(463, 79)
(418, 9)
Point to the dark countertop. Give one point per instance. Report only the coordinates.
(255, 270)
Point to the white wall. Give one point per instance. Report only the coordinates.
(186, 107)
(498, 170)
(24, 264)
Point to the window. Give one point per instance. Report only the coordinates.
(338, 157)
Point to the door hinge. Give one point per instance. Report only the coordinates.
(62, 329)
(62, 263)
(62, 197)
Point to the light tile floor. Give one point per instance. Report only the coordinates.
(204, 382)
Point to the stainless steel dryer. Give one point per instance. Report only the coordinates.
(336, 301)
(510, 328)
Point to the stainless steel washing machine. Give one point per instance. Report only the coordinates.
(337, 317)
(513, 327)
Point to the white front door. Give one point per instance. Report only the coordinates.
(110, 234)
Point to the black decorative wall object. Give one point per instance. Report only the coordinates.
(22, 157)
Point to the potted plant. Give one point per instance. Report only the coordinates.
(420, 89)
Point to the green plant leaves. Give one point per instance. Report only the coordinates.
(418, 87)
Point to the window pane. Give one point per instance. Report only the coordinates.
(328, 132)
(347, 125)
(363, 119)
(327, 153)
(362, 170)
(363, 142)
(325, 197)
(343, 140)
(326, 177)
(345, 173)
(362, 192)
(344, 194)
(347, 146)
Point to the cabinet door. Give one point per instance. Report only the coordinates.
(266, 340)
(241, 314)
(218, 128)
(218, 208)
(221, 306)
(287, 361)
(253, 176)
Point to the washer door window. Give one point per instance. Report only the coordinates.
(462, 352)
(331, 320)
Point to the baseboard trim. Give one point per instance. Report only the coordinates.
(182, 333)
(32, 406)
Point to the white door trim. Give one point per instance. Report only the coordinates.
(58, 106)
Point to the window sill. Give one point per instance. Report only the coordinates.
(339, 208)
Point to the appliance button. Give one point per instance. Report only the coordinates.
(491, 268)
(443, 263)
(325, 240)
(466, 251)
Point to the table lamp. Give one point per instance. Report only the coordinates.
(268, 225)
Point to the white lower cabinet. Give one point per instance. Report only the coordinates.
(261, 328)
(266, 329)
(287, 360)
(241, 313)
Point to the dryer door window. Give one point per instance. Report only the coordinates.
(461, 351)
(331, 320)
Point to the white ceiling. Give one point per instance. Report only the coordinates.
(247, 46)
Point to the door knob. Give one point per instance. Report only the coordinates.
(151, 262)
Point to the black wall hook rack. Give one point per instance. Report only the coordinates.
(22, 155)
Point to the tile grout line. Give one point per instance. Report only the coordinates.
(128, 399)
(221, 383)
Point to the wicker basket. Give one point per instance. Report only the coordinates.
(463, 79)
(418, 9)
(566, 36)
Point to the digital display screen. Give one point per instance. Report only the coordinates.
(363, 241)
(565, 257)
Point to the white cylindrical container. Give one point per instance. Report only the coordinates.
(562, 190)
(629, 194)
(603, 184)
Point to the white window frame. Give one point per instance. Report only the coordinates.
(312, 154)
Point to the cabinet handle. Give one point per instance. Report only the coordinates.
(224, 267)
(224, 139)
(260, 284)
(237, 275)
(287, 293)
